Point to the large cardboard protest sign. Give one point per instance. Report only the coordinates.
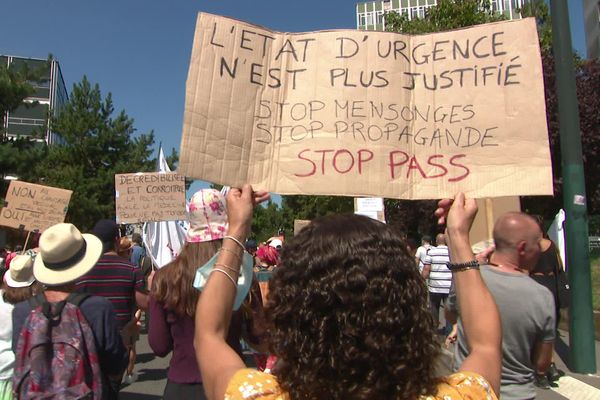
(367, 113)
(145, 197)
(34, 207)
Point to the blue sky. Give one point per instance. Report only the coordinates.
(139, 50)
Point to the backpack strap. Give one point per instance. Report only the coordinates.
(39, 300)
(77, 298)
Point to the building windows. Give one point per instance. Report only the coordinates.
(48, 97)
(371, 15)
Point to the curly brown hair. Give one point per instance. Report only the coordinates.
(348, 314)
(172, 285)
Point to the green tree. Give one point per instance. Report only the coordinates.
(453, 14)
(18, 155)
(267, 221)
(587, 75)
(310, 207)
(97, 145)
(17, 158)
(446, 15)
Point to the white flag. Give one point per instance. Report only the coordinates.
(556, 232)
(163, 240)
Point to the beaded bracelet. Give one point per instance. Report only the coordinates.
(225, 272)
(459, 267)
(237, 241)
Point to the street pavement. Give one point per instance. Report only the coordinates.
(152, 375)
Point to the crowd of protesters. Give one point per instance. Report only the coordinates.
(350, 310)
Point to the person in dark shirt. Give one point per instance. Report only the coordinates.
(116, 279)
(546, 273)
(137, 252)
(113, 277)
(65, 255)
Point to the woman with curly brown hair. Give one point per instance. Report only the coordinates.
(348, 314)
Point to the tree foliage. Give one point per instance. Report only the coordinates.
(445, 16)
(97, 145)
(267, 221)
(17, 156)
(454, 14)
(15, 85)
(587, 79)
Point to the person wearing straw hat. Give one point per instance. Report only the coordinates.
(64, 256)
(19, 285)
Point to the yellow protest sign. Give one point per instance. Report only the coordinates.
(361, 113)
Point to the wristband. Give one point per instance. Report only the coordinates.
(458, 267)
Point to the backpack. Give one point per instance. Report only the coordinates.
(56, 355)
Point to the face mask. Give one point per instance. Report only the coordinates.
(244, 280)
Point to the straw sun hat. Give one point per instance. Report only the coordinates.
(65, 255)
(20, 273)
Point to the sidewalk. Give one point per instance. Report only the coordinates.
(572, 386)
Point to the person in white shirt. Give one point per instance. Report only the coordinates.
(422, 252)
(439, 278)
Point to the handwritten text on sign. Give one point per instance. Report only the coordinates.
(367, 113)
(34, 207)
(149, 197)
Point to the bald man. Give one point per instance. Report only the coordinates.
(526, 308)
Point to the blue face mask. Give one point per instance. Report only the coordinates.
(244, 280)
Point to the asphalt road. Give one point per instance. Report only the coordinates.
(152, 376)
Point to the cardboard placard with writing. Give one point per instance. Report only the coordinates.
(362, 113)
(145, 197)
(34, 207)
(372, 207)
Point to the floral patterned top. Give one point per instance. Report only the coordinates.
(250, 384)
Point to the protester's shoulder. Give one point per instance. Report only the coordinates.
(541, 292)
(253, 384)
(96, 305)
(437, 250)
(22, 309)
(463, 385)
(108, 260)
